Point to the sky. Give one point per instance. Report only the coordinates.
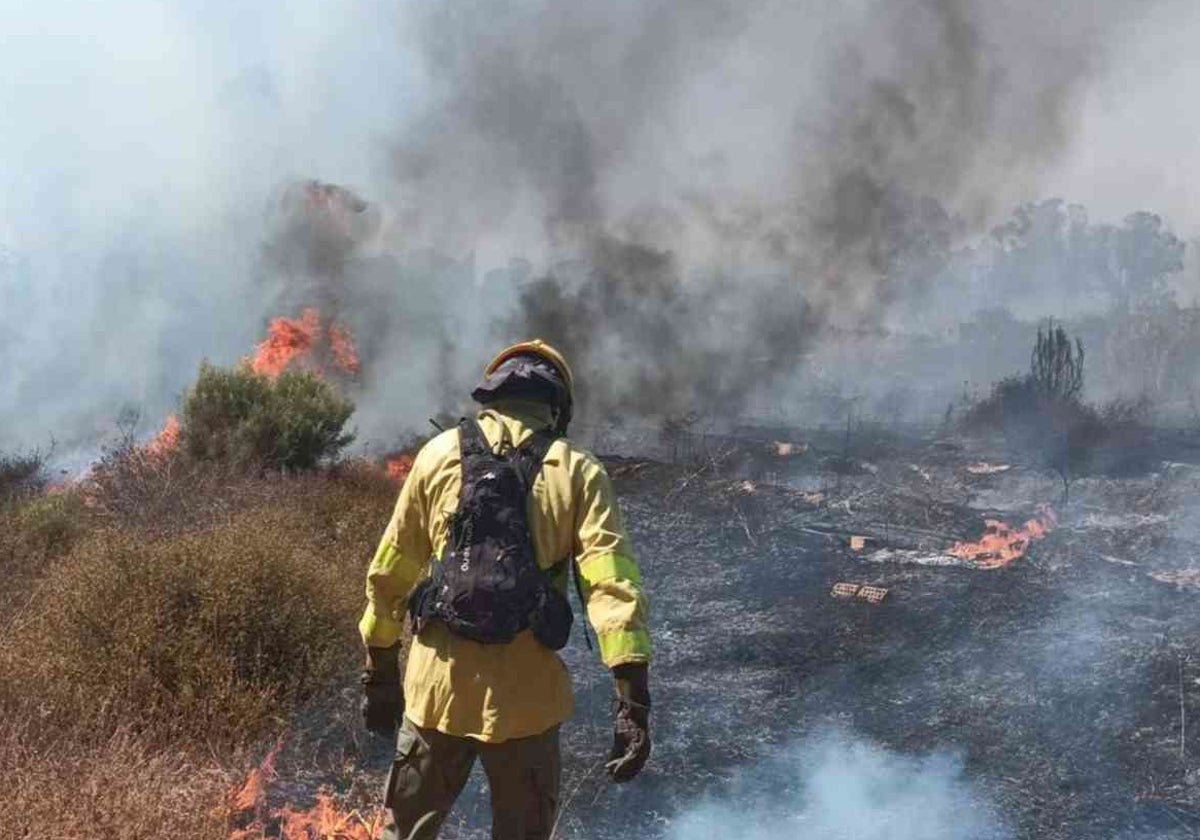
(1136, 147)
(143, 145)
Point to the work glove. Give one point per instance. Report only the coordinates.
(631, 730)
(383, 698)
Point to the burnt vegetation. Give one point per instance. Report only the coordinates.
(1046, 424)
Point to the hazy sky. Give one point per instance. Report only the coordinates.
(142, 143)
(1138, 146)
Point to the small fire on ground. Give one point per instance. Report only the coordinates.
(1001, 543)
(326, 820)
(167, 440)
(398, 465)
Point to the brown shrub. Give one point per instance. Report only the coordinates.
(167, 616)
(211, 635)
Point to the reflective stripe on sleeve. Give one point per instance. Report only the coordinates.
(385, 556)
(609, 566)
(624, 645)
(379, 630)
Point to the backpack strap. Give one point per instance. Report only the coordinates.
(471, 439)
(532, 453)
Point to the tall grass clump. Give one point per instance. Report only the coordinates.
(36, 526)
(21, 474)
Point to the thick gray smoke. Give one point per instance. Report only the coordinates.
(708, 184)
(686, 194)
(832, 786)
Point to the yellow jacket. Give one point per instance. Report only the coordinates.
(501, 691)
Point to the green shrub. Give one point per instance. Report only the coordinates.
(50, 524)
(34, 532)
(236, 415)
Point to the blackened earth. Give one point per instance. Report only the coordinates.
(1068, 682)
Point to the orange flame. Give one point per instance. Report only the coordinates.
(292, 341)
(287, 339)
(167, 440)
(253, 792)
(1001, 544)
(344, 351)
(399, 466)
(324, 821)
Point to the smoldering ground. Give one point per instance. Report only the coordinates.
(833, 786)
(1053, 699)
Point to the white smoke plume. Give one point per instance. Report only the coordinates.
(831, 786)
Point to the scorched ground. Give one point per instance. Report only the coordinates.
(1068, 679)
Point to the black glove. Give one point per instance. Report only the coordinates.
(383, 698)
(631, 732)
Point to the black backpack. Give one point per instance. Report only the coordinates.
(488, 586)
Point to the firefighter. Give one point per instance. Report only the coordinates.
(495, 517)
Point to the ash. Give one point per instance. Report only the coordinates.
(1056, 697)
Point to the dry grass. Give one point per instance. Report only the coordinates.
(126, 788)
(141, 654)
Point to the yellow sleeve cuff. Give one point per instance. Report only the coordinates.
(622, 647)
(379, 630)
(609, 566)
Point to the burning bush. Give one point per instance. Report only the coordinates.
(235, 415)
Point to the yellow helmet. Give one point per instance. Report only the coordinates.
(536, 347)
(564, 403)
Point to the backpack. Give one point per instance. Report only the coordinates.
(488, 586)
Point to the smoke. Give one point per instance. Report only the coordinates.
(144, 152)
(832, 786)
(708, 185)
(688, 195)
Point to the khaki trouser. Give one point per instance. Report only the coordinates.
(431, 769)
